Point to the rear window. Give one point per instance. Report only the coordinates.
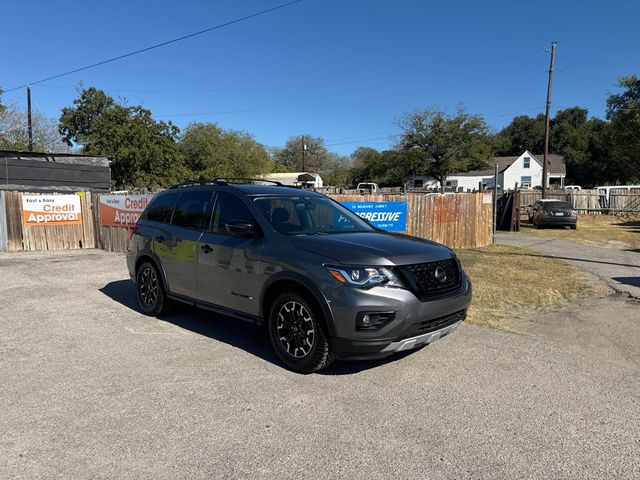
(193, 210)
(557, 206)
(161, 208)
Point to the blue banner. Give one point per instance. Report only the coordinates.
(390, 216)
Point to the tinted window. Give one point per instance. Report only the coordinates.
(229, 208)
(305, 215)
(192, 210)
(161, 207)
(557, 206)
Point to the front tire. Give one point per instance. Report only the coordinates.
(297, 334)
(150, 291)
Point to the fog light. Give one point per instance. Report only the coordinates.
(373, 320)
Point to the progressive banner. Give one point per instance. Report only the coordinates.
(122, 210)
(51, 210)
(390, 216)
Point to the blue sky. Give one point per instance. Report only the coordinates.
(343, 70)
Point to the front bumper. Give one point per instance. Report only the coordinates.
(425, 339)
(415, 324)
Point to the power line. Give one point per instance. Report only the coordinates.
(238, 89)
(158, 45)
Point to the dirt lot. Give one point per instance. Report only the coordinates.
(599, 230)
(93, 389)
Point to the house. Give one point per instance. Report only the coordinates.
(295, 179)
(525, 169)
(54, 172)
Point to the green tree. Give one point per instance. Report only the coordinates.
(386, 168)
(316, 155)
(523, 133)
(440, 144)
(210, 151)
(569, 137)
(623, 112)
(143, 152)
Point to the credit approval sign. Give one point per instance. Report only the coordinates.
(51, 210)
(122, 210)
(390, 216)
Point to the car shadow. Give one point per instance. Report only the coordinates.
(633, 281)
(240, 334)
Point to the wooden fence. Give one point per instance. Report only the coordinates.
(459, 220)
(20, 236)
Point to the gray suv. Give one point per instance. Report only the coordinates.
(325, 282)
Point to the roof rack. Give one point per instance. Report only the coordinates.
(199, 183)
(228, 180)
(222, 181)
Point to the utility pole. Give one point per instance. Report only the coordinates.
(29, 127)
(495, 202)
(304, 148)
(546, 122)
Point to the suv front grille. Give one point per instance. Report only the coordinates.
(432, 279)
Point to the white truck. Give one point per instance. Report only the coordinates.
(368, 188)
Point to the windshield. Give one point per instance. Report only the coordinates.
(307, 215)
(557, 206)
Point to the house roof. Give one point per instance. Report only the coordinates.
(291, 176)
(556, 165)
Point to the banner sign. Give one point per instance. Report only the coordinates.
(51, 210)
(122, 210)
(390, 216)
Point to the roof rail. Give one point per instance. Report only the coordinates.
(227, 180)
(198, 183)
(221, 181)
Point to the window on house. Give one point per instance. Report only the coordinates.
(525, 182)
(452, 183)
(527, 162)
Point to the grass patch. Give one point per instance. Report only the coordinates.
(602, 230)
(511, 282)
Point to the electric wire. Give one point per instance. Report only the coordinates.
(158, 45)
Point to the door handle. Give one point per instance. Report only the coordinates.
(206, 248)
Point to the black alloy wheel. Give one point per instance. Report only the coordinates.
(297, 333)
(150, 291)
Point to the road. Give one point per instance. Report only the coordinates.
(619, 268)
(93, 389)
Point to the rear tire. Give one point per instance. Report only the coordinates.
(297, 333)
(573, 227)
(150, 291)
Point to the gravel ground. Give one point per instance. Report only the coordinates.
(619, 268)
(93, 389)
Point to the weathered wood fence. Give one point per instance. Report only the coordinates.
(456, 220)
(589, 201)
(19, 235)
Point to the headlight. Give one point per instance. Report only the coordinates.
(365, 276)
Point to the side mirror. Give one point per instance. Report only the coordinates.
(241, 228)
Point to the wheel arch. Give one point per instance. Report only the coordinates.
(151, 258)
(287, 282)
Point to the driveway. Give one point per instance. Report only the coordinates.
(93, 389)
(620, 269)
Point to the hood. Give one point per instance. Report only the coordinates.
(373, 249)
